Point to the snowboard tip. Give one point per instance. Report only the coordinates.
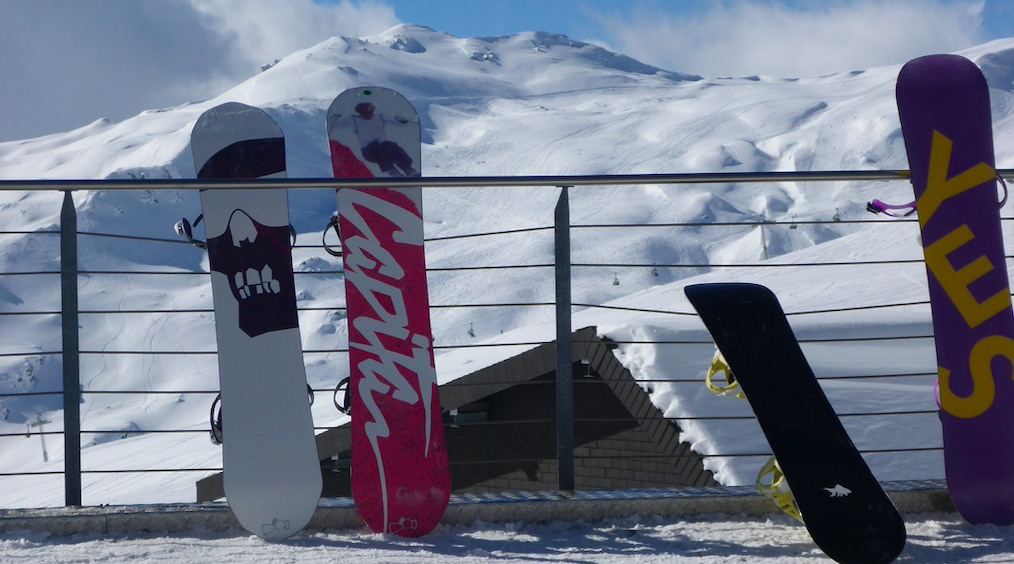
(366, 91)
(944, 67)
(718, 289)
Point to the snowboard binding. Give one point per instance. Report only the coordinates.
(332, 224)
(345, 405)
(731, 387)
(877, 207)
(185, 229)
(216, 420)
(772, 483)
(770, 480)
(216, 416)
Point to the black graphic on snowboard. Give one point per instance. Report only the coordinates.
(256, 259)
(252, 158)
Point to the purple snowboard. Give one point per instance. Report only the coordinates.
(943, 102)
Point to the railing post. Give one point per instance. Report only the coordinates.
(564, 347)
(71, 349)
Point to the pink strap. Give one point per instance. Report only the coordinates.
(876, 206)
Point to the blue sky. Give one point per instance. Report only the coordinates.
(474, 19)
(576, 18)
(74, 62)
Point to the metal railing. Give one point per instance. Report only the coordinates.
(467, 181)
(562, 267)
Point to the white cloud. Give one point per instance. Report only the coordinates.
(69, 62)
(749, 37)
(263, 30)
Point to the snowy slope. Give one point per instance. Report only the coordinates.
(532, 103)
(713, 539)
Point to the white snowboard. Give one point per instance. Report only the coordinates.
(271, 469)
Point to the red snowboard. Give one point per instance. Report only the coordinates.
(400, 479)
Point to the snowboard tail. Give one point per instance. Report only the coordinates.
(943, 103)
(842, 505)
(400, 478)
(271, 470)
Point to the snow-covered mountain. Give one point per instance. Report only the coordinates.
(527, 104)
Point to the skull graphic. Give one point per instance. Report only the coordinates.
(257, 261)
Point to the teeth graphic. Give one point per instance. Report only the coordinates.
(243, 292)
(271, 286)
(254, 283)
(253, 279)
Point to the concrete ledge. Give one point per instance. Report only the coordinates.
(464, 509)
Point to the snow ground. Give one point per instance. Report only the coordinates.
(711, 539)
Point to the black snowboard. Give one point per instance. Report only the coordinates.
(843, 506)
